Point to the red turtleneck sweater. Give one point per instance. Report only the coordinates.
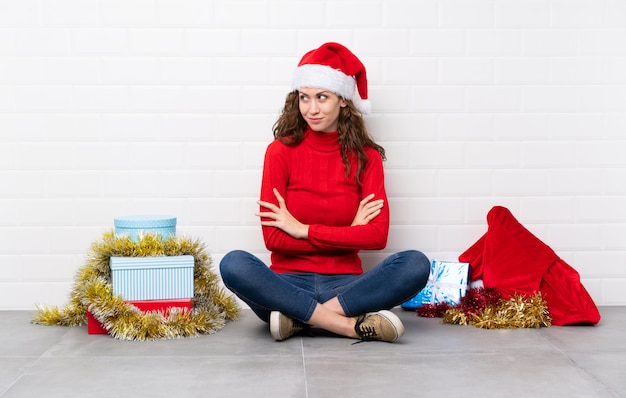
(311, 178)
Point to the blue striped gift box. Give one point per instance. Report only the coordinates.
(152, 278)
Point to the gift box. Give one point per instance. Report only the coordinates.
(448, 282)
(152, 278)
(133, 226)
(95, 327)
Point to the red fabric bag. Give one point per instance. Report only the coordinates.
(511, 259)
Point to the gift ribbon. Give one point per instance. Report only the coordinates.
(437, 286)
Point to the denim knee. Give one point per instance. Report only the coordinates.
(419, 268)
(232, 264)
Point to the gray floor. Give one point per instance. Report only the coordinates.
(432, 359)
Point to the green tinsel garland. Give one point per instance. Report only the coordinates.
(211, 306)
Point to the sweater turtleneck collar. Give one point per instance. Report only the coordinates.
(325, 142)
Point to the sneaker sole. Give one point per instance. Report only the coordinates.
(395, 321)
(275, 325)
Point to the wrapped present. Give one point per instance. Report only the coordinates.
(165, 226)
(448, 282)
(152, 278)
(95, 327)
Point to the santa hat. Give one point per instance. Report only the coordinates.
(333, 67)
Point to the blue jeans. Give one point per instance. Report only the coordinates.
(395, 280)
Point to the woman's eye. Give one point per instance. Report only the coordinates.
(303, 98)
(322, 97)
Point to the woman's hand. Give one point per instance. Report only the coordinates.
(281, 218)
(368, 210)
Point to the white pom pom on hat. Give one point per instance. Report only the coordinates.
(333, 67)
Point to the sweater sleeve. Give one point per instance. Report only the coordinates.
(372, 236)
(276, 175)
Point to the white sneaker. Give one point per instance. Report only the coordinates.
(282, 327)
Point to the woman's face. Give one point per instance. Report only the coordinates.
(320, 108)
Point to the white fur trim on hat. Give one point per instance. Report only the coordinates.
(325, 77)
(322, 76)
(364, 106)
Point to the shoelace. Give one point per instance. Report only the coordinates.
(365, 332)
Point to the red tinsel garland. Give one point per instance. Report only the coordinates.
(433, 310)
(476, 300)
(473, 302)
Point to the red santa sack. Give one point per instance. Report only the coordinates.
(511, 259)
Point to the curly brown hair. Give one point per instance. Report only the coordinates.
(353, 135)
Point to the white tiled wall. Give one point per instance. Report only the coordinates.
(115, 107)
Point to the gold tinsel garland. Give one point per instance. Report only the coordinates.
(515, 312)
(211, 305)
